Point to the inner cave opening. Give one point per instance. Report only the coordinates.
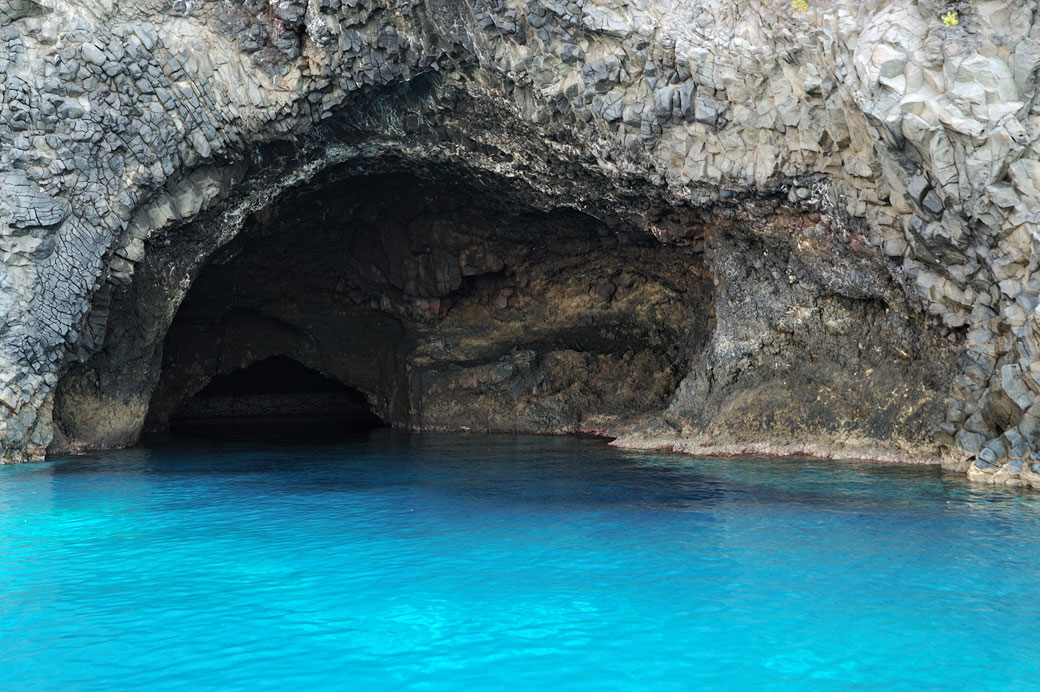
(443, 298)
(278, 387)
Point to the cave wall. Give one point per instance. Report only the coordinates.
(816, 350)
(137, 131)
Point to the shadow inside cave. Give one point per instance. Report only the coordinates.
(269, 396)
(435, 306)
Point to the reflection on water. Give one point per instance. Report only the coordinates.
(393, 561)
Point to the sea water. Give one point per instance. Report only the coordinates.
(399, 561)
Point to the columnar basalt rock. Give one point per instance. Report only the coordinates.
(861, 182)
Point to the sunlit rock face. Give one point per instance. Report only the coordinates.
(700, 225)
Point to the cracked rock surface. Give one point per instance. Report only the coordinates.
(697, 225)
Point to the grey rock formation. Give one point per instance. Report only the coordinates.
(849, 195)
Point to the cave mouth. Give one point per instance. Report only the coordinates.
(275, 391)
(449, 302)
(456, 302)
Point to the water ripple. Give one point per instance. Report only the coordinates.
(438, 562)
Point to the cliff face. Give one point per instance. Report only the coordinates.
(713, 226)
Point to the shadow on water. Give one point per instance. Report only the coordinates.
(308, 456)
(313, 458)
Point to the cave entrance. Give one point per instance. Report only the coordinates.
(455, 300)
(435, 302)
(276, 388)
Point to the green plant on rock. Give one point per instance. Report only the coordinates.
(950, 19)
(802, 5)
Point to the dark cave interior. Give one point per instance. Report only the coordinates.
(276, 375)
(444, 303)
(275, 388)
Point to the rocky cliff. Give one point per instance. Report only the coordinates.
(709, 226)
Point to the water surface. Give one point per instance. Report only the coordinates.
(455, 562)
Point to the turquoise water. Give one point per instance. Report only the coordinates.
(441, 562)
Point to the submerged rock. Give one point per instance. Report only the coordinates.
(700, 225)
